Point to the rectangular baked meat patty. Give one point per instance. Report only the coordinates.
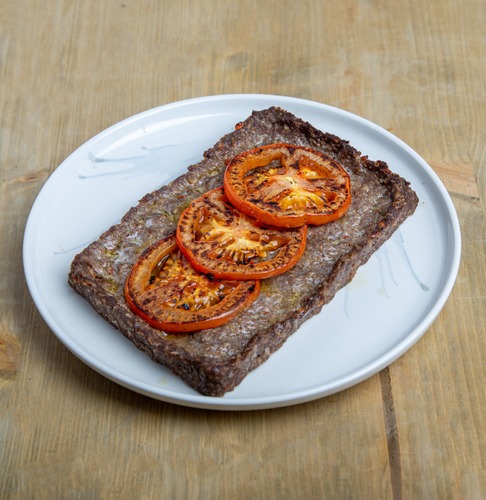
(216, 360)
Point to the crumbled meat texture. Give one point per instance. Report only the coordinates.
(215, 361)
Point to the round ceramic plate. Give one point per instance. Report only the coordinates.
(390, 303)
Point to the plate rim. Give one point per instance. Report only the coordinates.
(197, 400)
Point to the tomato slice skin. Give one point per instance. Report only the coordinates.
(224, 243)
(285, 185)
(166, 292)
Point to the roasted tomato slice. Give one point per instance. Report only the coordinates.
(287, 186)
(222, 242)
(165, 291)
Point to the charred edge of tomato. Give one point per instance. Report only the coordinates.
(245, 298)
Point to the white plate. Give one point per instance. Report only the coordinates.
(391, 302)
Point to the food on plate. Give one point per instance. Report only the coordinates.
(214, 361)
(164, 290)
(220, 241)
(286, 185)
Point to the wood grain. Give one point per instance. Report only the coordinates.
(70, 69)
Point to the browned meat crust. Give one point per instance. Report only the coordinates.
(217, 360)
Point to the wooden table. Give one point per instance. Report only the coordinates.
(70, 69)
